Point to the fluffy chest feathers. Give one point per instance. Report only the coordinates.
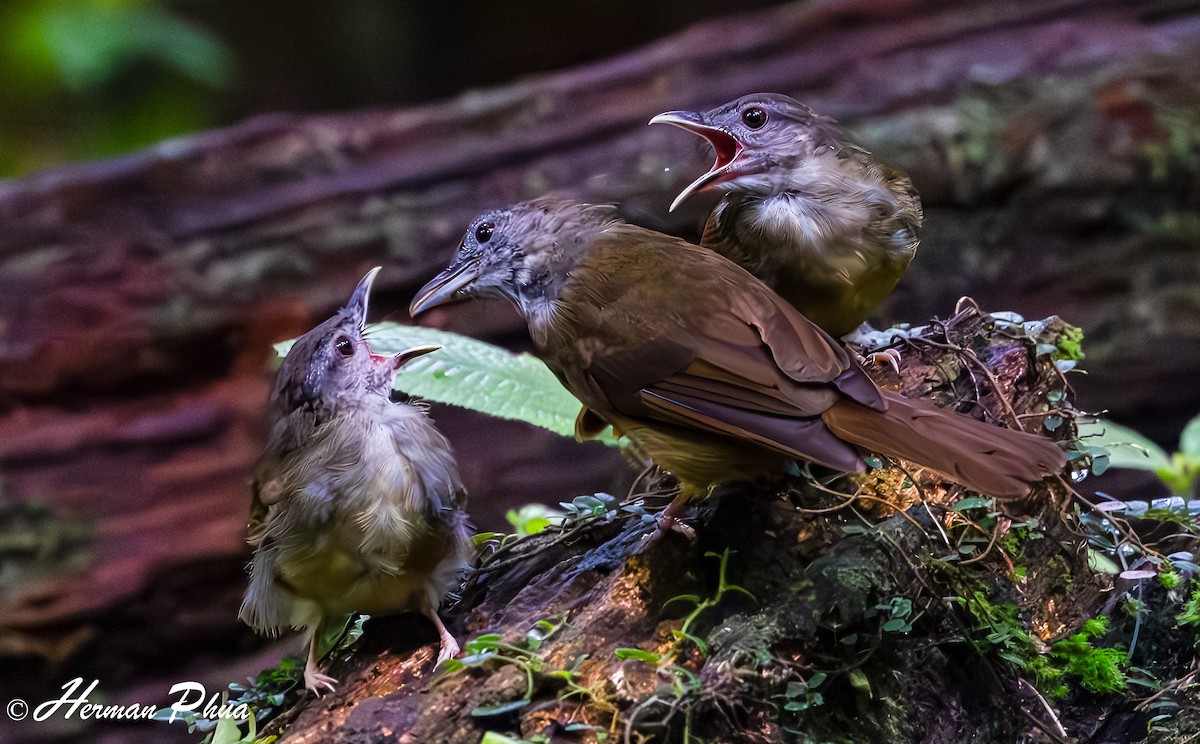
(366, 483)
(833, 238)
(832, 217)
(812, 228)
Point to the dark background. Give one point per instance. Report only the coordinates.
(93, 78)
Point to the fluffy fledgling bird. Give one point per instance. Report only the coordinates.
(826, 224)
(357, 504)
(708, 372)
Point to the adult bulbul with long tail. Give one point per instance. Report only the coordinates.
(357, 506)
(826, 224)
(709, 372)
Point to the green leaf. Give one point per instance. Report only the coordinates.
(641, 655)
(971, 503)
(92, 45)
(227, 732)
(476, 375)
(485, 711)
(860, 682)
(1189, 441)
(531, 519)
(700, 642)
(485, 641)
(1126, 448)
(1100, 563)
(693, 598)
(492, 737)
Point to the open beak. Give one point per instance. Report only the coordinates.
(358, 300)
(725, 145)
(445, 287)
(408, 355)
(387, 367)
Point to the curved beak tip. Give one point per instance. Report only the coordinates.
(406, 356)
(362, 293)
(685, 119)
(446, 287)
(364, 284)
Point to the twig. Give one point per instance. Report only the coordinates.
(1173, 686)
(1001, 520)
(1060, 733)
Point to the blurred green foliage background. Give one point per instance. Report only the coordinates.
(89, 78)
(83, 79)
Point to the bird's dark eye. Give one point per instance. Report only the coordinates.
(483, 233)
(754, 117)
(344, 346)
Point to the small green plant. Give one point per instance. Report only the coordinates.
(1061, 342)
(1170, 579)
(588, 506)
(686, 685)
(1099, 670)
(700, 605)
(1003, 631)
(684, 634)
(263, 697)
(802, 695)
(491, 647)
(532, 519)
(973, 529)
(1190, 615)
(1125, 448)
(898, 614)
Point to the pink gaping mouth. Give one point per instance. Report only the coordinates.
(725, 146)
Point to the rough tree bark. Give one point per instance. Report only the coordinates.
(1054, 145)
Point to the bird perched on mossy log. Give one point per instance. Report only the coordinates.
(358, 505)
(710, 373)
(826, 224)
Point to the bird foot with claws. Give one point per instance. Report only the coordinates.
(314, 681)
(672, 524)
(887, 357)
(448, 648)
(670, 520)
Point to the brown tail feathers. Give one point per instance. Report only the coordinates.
(998, 462)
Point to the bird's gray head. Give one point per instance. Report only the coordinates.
(757, 139)
(522, 254)
(332, 364)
